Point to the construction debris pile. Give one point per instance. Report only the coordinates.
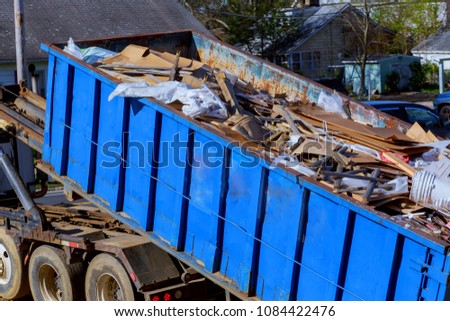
(405, 175)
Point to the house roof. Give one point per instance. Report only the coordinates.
(57, 20)
(437, 43)
(309, 27)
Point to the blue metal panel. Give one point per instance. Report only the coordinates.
(173, 162)
(111, 150)
(60, 120)
(141, 143)
(240, 221)
(444, 291)
(323, 249)
(46, 149)
(435, 280)
(203, 222)
(82, 147)
(370, 262)
(410, 279)
(278, 248)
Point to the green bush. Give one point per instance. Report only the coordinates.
(418, 79)
(431, 72)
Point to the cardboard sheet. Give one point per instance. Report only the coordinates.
(139, 56)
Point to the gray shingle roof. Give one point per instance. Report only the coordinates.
(57, 20)
(437, 43)
(313, 24)
(309, 27)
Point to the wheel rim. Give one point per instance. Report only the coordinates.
(445, 112)
(49, 283)
(5, 265)
(108, 289)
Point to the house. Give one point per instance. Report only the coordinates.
(378, 69)
(435, 48)
(57, 20)
(323, 39)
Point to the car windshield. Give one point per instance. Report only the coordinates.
(424, 117)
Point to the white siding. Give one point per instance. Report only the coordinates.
(434, 58)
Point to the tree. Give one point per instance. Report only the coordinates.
(366, 36)
(256, 24)
(209, 13)
(252, 25)
(412, 20)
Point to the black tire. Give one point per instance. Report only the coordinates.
(445, 112)
(13, 273)
(51, 278)
(107, 280)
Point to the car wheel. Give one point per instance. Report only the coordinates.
(445, 112)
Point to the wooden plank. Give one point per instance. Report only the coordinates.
(400, 164)
(228, 93)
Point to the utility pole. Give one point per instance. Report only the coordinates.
(20, 56)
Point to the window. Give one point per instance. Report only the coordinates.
(396, 112)
(424, 117)
(306, 61)
(311, 60)
(296, 62)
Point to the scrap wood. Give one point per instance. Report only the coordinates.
(125, 66)
(250, 127)
(417, 133)
(141, 71)
(381, 145)
(137, 55)
(387, 168)
(290, 121)
(190, 64)
(336, 154)
(229, 132)
(193, 81)
(174, 69)
(432, 137)
(305, 126)
(123, 77)
(228, 93)
(253, 99)
(153, 78)
(400, 163)
(348, 126)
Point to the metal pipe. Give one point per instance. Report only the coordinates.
(21, 191)
(18, 21)
(34, 86)
(36, 114)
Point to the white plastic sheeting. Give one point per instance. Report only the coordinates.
(196, 102)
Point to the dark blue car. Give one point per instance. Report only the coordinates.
(442, 105)
(411, 113)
